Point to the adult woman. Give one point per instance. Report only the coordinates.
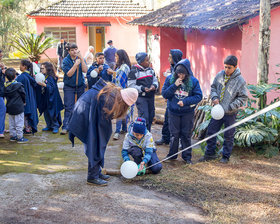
(89, 58)
(50, 103)
(91, 122)
(122, 70)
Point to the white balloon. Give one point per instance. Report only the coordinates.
(36, 68)
(39, 77)
(217, 112)
(129, 169)
(93, 74)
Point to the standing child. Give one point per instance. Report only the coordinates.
(30, 109)
(140, 145)
(15, 95)
(143, 78)
(91, 123)
(183, 92)
(51, 103)
(122, 70)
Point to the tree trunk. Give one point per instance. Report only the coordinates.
(264, 44)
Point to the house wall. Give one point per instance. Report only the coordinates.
(207, 50)
(123, 35)
(250, 42)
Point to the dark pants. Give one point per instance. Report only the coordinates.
(165, 128)
(137, 155)
(52, 122)
(121, 124)
(214, 127)
(93, 172)
(69, 102)
(146, 109)
(180, 127)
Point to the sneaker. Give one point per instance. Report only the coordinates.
(116, 136)
(2, 136)
(13, 139)
(27, 132)
(188, 161)
(97, 181)
(46, 129)
(206, 158)
(122, 132)
(224, 160)
(104, 176)
(161, 142)
(63, 132)
(22, 140)
(55, 131)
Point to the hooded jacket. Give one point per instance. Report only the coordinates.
(90, 124)
(235, 95)
(103, 74)
(174, 93)
(15, 96)
(176, 57)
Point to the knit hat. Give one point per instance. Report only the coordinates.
(181, 69)
(231, 60)
(129, 95)
(140, 57)
(139, 125)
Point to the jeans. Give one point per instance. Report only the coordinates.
(2, 115)
(215, 126)
(165, 128)
(69, 102)
(52, 122)
(121, 124)
(146, 109)
(16, 123)
(180, 127)
(93, 172)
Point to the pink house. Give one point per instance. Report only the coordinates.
(207, 31)
(89, 22)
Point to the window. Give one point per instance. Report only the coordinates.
(67, 33)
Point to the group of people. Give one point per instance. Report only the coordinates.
(114, 91)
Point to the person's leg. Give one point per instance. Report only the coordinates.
(69, 101)
(80, 91)
(124, 125)
(228, 135)
(165, 129)
(93, 171)
(154, 159)
(28, 128)
(12, 126)
(143, 109)
(174, 127)
(151, 112)
(186, 134)
(118, 126)
(136, 154)
(2, 115)
(19, 124)
(48, 121)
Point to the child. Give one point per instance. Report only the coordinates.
(99, 70)
(122, 70)
(15, 95)
(91, 123)
(139, 144)
(143, 78)
(30, 109)
(183, 92)
(51, 103)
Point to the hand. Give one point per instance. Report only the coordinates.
(216, 101)
(147, 89)
(110, 71)
(100, 67)
(142, 165)
(42, 84)
(152, 88)
(178, 82)
(79, 55)
(180, 103)
(77, 62)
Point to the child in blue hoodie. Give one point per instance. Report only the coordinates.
(140, 145)
(183, 93)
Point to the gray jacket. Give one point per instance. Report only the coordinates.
(235, 93)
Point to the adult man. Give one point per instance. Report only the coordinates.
(74, 83)
(61, 52)
(109, 54)
(229, 90)
(2, 103)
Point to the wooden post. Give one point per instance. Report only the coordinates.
(264, 44)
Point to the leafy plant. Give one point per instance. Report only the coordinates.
(32, 45)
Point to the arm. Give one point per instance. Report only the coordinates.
(73, 69)
(125, 149)
(168, 90)
(22, 94)
(131, 81)
(149, 149)
(214, 86)
(240, 99)
(155, 81)
(196, 95)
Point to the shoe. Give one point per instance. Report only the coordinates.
(22, 140)
(13, 139)
(6, 131)
(97, 181)
(27, 132)
(224, 160)
(2, 136)
(116, 136)
(46, 129)
(63, 132)
(169, 160)
(55, 131)
(188, 161)
(161, 142)
(123, 132)
(207, 158)
(104, 176)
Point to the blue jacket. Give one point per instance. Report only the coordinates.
(30, 109)
(67, 64)
(174, 94)
(103, 74)
(109, 54)
(91, 125)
